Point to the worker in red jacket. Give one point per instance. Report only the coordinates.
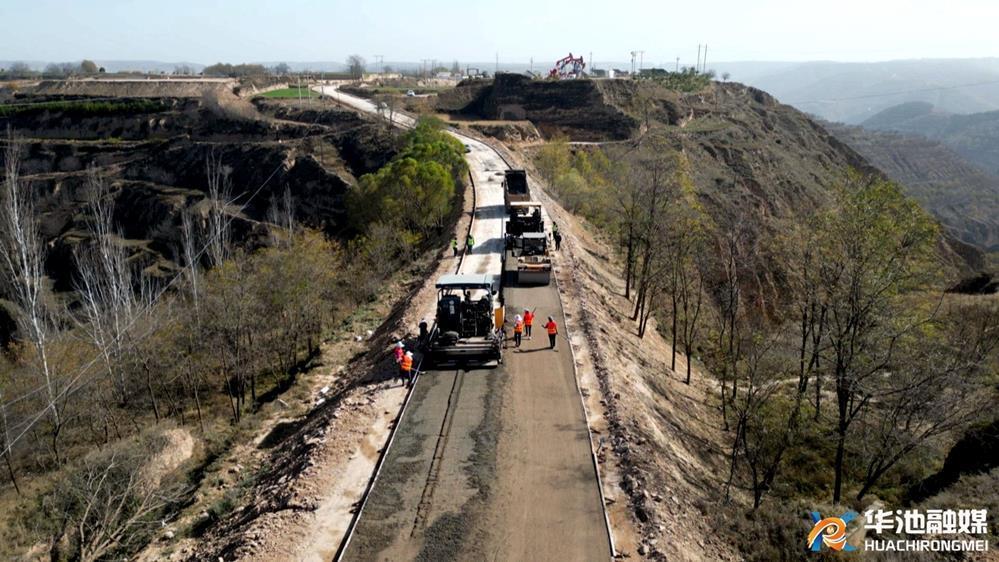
(406, 369)
(528, 321)
(552, 328)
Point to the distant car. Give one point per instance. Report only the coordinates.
(410, 94)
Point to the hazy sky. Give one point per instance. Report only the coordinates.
(208, 31)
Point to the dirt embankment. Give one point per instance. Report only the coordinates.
(137, 88)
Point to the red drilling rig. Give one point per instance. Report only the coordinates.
(568, 68)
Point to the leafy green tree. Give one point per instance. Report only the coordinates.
(876, 246)
(553, 159)
(411, 193)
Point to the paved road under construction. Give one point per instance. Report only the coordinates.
(487, 463)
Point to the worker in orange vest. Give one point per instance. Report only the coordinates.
(552, 328)
(518, 330)
(528, 320)
(406, 369)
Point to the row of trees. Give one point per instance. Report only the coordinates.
(52, 70)
(355, 67)
(860, 323)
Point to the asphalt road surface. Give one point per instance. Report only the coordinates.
(490, 463)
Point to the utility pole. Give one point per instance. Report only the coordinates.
(641, 61)
(633, 54)
(698, 57)
(496, 68)
(592, 68)
(677, 64)
(704, 63)
(299, 89)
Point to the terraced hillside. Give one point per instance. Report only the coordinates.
(153, 152)
(962, 196)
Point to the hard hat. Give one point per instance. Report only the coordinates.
(518, 318)
(400, 344)
(409, 354)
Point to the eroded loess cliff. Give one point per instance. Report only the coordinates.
(153, 154)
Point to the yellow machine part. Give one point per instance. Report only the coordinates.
(498, 317)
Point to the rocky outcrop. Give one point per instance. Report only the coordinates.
(573, 107)
(154, 161)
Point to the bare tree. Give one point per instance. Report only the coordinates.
(762, 434)
(105, 283)
(111, 501)
(219, 190)
(355, 65)
(190, 253)
(937, 387)
(281, 215)
(23, 258)
(5, 430)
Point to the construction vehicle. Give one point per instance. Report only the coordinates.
(567, 68)
(534, 263)
(469, 320)
(515, 187)
(528, 244)
(525, 216)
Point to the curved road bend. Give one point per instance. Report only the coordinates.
(489, 463)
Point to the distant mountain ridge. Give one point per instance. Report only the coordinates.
(853, 92)
(974, 136)
(963, 197)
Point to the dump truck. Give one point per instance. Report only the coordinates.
(525, 216)
(515, 187)
(469, 320)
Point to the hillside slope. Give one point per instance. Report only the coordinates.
(754, 160)
(974, 136)
(964, 198)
